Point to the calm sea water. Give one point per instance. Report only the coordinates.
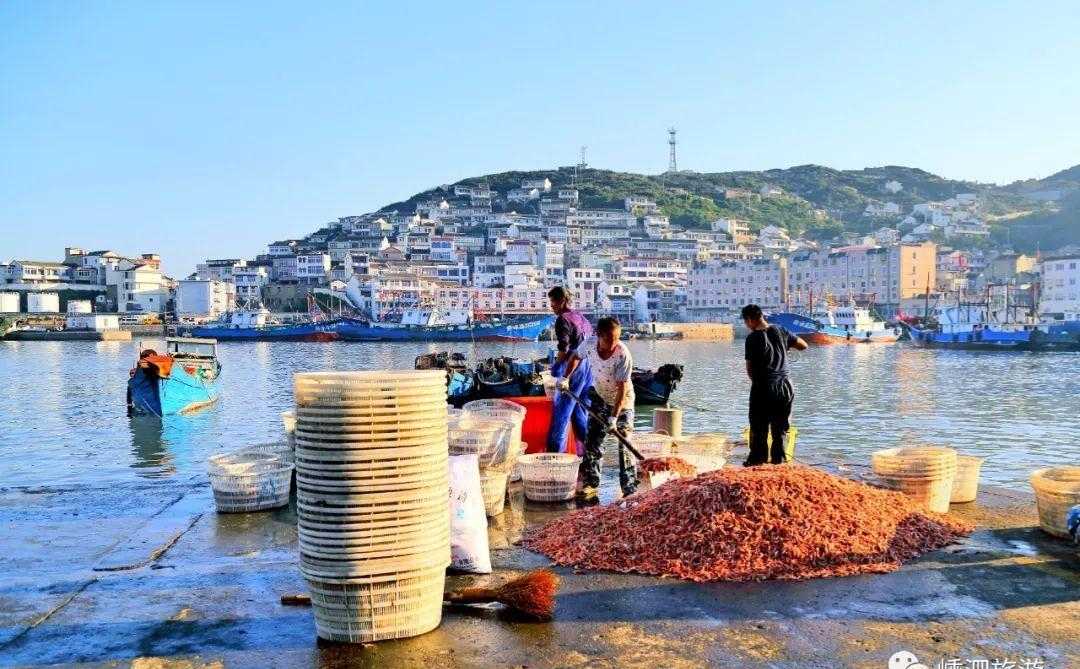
(63, 422)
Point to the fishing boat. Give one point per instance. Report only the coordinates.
(182, 379)
(460, 380)
(968, 327)
(837, 325)
(655, 387)
(423, 325)
(497, 378)
(257, 325)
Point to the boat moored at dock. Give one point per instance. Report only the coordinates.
(256, 325)
(182, 379)
(519, 328)
(968, 328)
(837, 325)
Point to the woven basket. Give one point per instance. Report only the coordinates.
(549, 477)
(388, 606)
(493, 490)
(1057, 489)
(651, 444)
(924, 473)
(249, 481)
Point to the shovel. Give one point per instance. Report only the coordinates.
(651, 479)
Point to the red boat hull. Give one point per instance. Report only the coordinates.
(821, 338)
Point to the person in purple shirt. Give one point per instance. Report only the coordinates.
(571, 329)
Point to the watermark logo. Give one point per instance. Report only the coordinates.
(905, 660)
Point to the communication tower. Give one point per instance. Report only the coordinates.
(673, 166)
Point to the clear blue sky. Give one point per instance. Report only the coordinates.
(209, 129)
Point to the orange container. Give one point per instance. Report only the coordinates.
(534, 431)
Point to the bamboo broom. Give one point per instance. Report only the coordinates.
(532, 595)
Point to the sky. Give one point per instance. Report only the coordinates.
(207, 129)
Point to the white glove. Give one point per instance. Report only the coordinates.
(563, 385)
(611, 423)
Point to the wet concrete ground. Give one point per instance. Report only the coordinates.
(147, 575)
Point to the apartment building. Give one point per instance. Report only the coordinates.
(1060, 290)
(883, 275)
(720, 288)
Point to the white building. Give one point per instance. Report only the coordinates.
(539, 184)
(140, 287)
(651, 269)
(721, 288)
(313, 268)
(737, 230)
(9, 303)
(582, 283)
(43, 303)
(658, 302)
(221, 269)
(96, 322)
(249, 283)
(203, 299)
(488, 270)
(1060, 295)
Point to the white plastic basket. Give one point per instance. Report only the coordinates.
(1057, 489)
(549, 382)
(924, 473)
(966, 483)
(489, 437)
(651, 444)
(249, 481)
(499, 409)
(549, 477)
(493, 490)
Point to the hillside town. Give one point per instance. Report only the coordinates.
(468, 249)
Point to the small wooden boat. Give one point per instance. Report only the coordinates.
(182, 379)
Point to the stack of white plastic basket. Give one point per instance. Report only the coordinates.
(498, 457)
(924, 473)
(372, 501)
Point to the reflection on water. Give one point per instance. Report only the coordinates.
(62, 417)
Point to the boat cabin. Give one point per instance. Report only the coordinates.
(856, 319)
(191, 348)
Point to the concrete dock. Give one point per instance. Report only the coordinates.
(147, 575)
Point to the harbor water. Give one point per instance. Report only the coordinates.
(63, 419)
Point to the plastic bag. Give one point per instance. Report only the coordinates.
(468, 522)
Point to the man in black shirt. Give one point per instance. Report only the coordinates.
(771, 394)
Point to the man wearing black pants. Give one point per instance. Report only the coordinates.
(771, 393)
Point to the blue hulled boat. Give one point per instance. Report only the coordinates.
(255, 325)
(321, 331)
(967, 328)
(182, 379)
(837, 325)
(523, 328)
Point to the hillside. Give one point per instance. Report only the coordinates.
(817, 201)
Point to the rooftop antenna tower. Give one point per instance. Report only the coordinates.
(673, 166)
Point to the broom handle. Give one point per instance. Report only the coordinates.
(472, 596)
(614, 431)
